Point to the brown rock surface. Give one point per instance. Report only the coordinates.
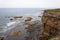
(50, 23)
(55, 38)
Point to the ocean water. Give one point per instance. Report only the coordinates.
(7, 26)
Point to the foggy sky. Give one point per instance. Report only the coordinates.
(30, 4)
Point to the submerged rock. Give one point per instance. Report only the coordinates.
(15, 33)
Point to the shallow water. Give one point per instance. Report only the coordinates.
(7, 26)
(17, 27)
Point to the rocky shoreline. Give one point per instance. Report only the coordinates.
(45, 27)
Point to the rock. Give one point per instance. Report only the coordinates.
(1, 38)
(18, 17)
(17, 33)
(50, 23)
(28, 19)
(55, 38)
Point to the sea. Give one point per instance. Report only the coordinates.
(7, 26)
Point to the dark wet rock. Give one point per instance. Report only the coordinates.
(33, 31)
(1, 38)
(11, 19)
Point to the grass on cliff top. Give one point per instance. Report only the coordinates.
(53, 10)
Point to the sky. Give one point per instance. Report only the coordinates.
(30, 4)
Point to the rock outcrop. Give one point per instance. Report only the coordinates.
(50, 24)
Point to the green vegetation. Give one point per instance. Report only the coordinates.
(53, 10)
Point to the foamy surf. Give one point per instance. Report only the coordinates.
(8, 26)
(11, 23)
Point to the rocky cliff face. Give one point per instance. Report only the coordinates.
(50, 24)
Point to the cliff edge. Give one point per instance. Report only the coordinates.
(50, 24)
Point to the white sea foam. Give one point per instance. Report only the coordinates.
(11, 23)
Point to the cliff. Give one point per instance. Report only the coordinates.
(50, 24)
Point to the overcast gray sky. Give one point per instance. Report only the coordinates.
(29, 3)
